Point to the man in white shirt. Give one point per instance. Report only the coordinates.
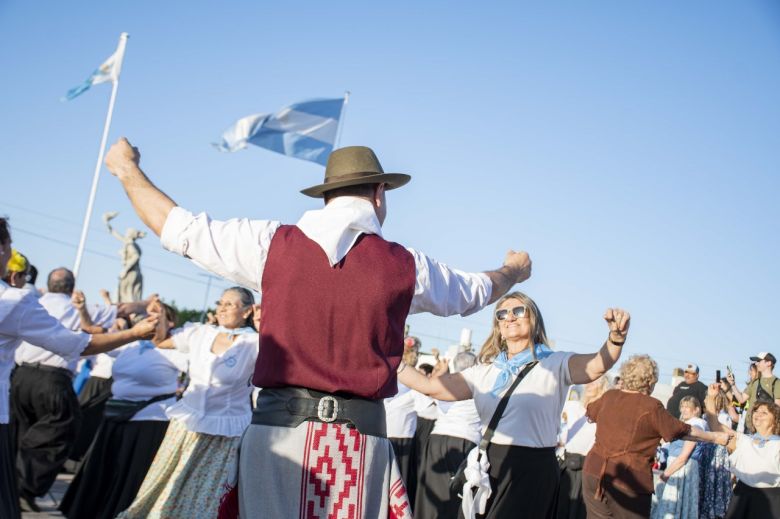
(23, 318)
(46, 428)
(334, 272)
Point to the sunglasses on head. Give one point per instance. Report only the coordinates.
(518, 312)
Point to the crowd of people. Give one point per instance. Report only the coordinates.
(314, 403)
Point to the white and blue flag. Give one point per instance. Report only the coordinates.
(305, 130)
(107, 71)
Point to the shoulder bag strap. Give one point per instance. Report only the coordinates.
(491, 428)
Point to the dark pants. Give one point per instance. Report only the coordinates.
(615, 503)
(45, 417)
(9, 494)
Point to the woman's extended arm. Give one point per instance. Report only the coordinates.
(585, 368)
(448, 387)
(680, 461)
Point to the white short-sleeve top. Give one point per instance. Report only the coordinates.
(533, 415)
(217, 400)
(142, 372)
(756, 463)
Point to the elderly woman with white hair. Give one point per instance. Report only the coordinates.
(617, 478)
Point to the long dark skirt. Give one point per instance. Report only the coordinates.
(524, 481)
(421, 435)
(443, 455)
(405, 456)
(748, 502)
(570, 503)
(113, 470)
(92, 400)
(9, 494)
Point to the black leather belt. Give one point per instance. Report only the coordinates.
(291, 406)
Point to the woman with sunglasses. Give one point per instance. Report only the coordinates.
(523, 471)
(192, 466)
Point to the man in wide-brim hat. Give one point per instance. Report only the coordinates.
(336, 296)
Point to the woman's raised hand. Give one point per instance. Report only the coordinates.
(618, 321)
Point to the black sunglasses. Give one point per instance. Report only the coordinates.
(518, 312)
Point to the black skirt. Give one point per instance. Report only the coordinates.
(749, 502)
(570, 502)
(113, 470)
(9, 494)
(92, 399)
(524, 481)
(443, 455)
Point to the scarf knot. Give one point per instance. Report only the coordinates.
(511, 367)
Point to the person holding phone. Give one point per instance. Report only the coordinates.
(764, 388)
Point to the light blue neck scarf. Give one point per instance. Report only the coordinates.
(233, 332)
(511, 367)
(763, 439)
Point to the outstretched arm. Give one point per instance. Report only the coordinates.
(151, 204)
(448, 387)
(585, 368)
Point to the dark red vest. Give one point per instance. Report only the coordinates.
(334, 329)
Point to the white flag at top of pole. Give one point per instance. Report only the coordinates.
(107, 71)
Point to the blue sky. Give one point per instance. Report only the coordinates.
(632, 149)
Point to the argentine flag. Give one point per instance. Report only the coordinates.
(305, 130)
(108, 71)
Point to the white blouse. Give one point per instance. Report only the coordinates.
(533, 415)
(459, 419)
(754, 464)
(142, 372)
(399, 413)
(23, 318)
(217, 400)
(580, 432)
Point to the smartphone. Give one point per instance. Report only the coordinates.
(728, 370)
(717, 376)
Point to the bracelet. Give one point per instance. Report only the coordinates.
(618, 344)
(401, 367)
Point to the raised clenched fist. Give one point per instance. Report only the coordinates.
(520, 264)
(121, 157)
(618, 321)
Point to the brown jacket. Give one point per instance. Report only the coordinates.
(630, 426)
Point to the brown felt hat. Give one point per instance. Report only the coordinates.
(352, 166)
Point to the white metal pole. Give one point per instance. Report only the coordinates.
(96, 176)
(341, 119)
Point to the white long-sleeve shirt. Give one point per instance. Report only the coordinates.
(238, 249)
(60, 307)
(22, 318)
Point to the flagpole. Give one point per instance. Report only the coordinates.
(341, 119)
(96, 176)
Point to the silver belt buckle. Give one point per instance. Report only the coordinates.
(321, 409)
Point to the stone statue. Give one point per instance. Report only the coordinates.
(130, 279)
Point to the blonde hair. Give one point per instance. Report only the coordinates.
(639, 373)
(602, 385)
(691, 401)
(495, 345)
